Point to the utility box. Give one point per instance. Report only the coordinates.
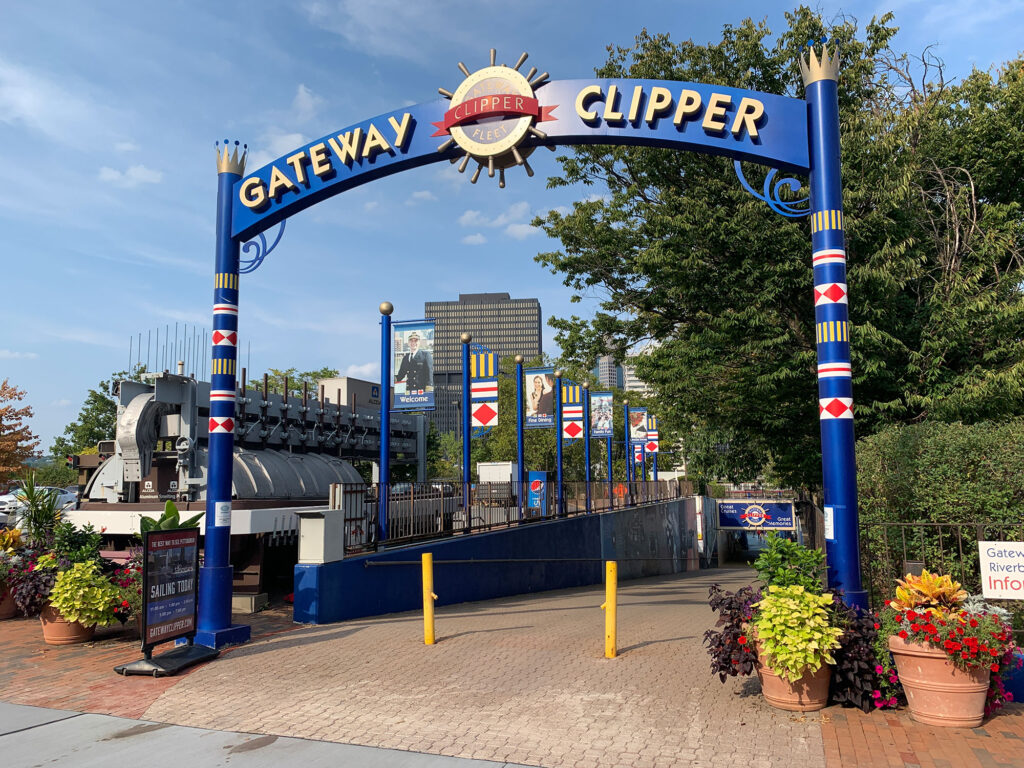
(498, 471)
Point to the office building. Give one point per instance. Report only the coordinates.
(506, 326)
(608, 373)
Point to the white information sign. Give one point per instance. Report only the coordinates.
(222, 514)
(830, 523)
(1002, 569)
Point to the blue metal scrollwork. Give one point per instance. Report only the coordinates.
(259, 245)
(772, 193)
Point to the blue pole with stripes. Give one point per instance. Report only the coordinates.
(214, 628)
(832, 322)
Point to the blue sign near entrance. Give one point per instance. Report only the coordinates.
(755, 515)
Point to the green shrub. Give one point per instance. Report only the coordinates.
(83, 594)
(784, 563)
(795, 629)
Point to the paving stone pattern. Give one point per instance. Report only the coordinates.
(519, 680)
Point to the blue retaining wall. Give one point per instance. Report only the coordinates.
(348, 589)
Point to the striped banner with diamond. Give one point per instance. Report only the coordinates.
(483, 390)
(572, 410)
(653, 442)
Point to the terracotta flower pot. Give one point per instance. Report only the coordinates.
(58, 631)
(7, 607)
(938, 692)
(807, 694)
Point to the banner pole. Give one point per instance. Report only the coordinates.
(520, 442)
(629, 453)
(467, 475)
(384, 473)
(611, 480)
(559, 498)
(586, 440)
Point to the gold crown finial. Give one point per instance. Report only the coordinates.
(825, 68)
(231, 162)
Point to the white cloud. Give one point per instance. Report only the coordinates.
(85, 336)
(7, 354)
(305, 104)
(126, 146)
(517, 212)
(448, 174)
(421, 196)
(276, 143)
(521, 231)
(369, 205)
(49, 107)
(133, 177)
(363, 370)
(62, 403)
(474, 239)
(404, 30)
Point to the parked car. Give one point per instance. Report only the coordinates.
(11, 503)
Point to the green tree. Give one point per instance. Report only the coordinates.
(97, 419)
(680, 253)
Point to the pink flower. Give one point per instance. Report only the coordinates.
(892, 702)
(878, 669)
(878, 694)
(879, 704)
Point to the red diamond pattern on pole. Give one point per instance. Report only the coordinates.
(651, 446)
(225, 338)
(222, 425)
(572, 430)
(830, 293)
(485, 415)
(835, 408)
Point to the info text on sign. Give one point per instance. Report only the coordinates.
(1002, 569)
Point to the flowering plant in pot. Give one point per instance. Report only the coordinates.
(82, 595)
(795, 639)
(128, 581)
(950, 654)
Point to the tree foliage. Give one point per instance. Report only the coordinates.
(677, 251)
(17, 443)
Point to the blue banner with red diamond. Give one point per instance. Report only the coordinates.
(750, 514)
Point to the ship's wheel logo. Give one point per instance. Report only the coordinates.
(755, 515)
(492, 112)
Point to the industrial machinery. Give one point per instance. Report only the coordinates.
(288, 452)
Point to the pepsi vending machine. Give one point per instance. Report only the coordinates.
(537, 496)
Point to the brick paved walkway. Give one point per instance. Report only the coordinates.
(82, 677)
(519, 680)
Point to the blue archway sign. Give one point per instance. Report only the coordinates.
(495, 119)
(357, 154)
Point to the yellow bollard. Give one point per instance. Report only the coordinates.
(428, 598)
(611, 584)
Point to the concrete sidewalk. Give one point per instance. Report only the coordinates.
(32, 736)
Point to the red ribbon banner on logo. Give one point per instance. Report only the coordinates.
(492, 106)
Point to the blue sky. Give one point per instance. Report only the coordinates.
(109, 112)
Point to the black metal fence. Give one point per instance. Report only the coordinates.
(889, 551)
(419, 511)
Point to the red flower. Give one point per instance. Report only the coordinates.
(877, 625)
(915, 627)
(903, 634)
(994, 667)
(974, 622)
(911, 614)
(742, 640)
